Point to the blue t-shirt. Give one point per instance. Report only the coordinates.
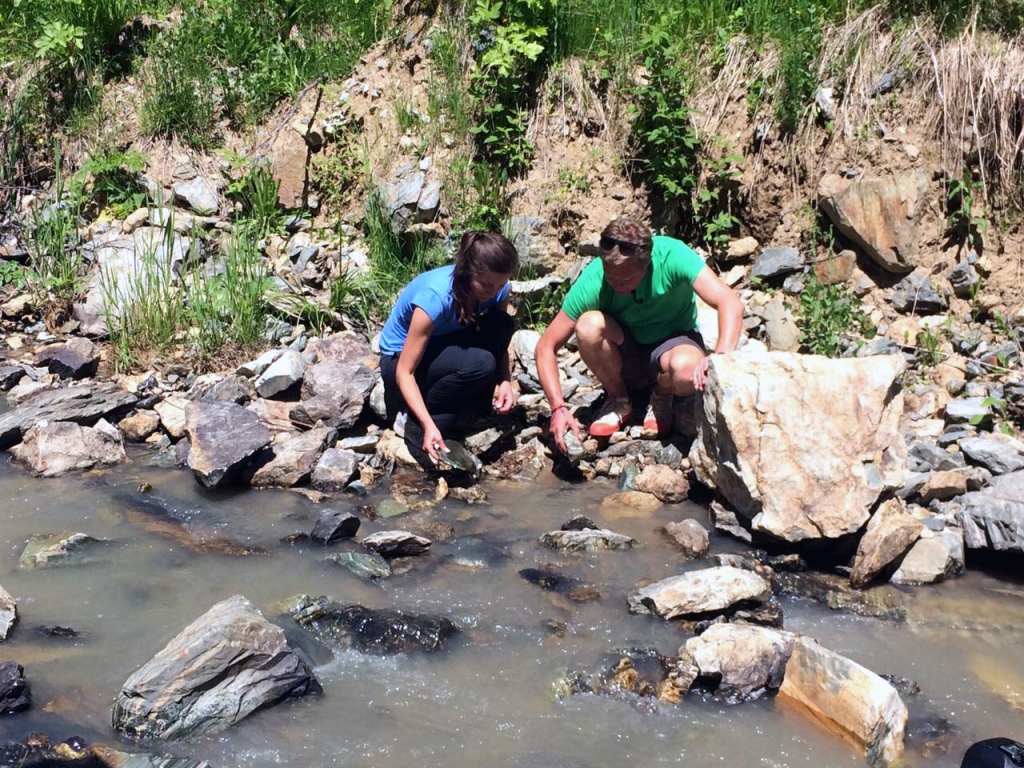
(431, 292)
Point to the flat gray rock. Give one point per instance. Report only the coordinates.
(82, 404)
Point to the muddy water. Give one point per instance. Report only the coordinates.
(488, 699)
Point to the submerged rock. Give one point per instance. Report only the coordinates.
(365, 565)
(636, 672)
(383, 632)
(391, 544)
(15, 695)
(38, 751)
(46, 549)
(589, 540)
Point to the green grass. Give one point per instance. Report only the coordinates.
(236, 59)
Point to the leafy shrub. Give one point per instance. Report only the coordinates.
(114, 180)
(830, 317)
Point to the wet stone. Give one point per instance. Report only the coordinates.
(365, 565)
(589, 540)
(580, 523)
(15, 695)
(47, 549)
(392, 544)
(379, 632)
(391, 508)
(334, 526)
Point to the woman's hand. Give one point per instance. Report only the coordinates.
(505, 399)
(433, 442)
(561, 422)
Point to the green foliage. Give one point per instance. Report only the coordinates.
(510, 38)
(714, 200)
(966, 223)
(537, 311)
(256, 192)
(449, 110)
(929, 346)
(113, 178)
(56, 266)
(478, 196)
(231, 304)
(144, 309)
(236, 59)
(12, 273)
(667, 141)
(829, 317)
(178, 99)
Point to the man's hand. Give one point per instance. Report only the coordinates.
(561, 422)
(700, 374)
(505, 399)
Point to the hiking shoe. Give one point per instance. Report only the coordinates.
(400, 421)
(611, 418)
(659, 414)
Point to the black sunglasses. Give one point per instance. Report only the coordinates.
(626, 248)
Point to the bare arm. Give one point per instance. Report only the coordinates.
(420, 328)
(730, 318)
(553, 339)
(504, 397)
(717, 294)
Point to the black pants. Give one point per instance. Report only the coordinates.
(457, 373)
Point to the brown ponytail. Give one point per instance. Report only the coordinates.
(479, 252)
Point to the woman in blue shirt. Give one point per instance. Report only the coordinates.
(445, 344)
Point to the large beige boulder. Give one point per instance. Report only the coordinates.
(847, 697)
(801, 446)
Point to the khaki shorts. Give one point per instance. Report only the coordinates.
(641, 362)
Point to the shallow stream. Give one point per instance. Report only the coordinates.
(487, 699)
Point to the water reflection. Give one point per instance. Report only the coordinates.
(488, 700)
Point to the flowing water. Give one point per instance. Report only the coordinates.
(487, 699)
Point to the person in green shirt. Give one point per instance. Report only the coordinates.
(634, 314)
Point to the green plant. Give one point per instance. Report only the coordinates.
(536, 311)
(829, 316)
(573, 182)
(113, 178)
(929, 346)
(228, 303)
(256, 192)
(965, 225)
(714, 200)
(143, 307)
(667, 143)
(509, 38)
(56, 267)
(12, 273)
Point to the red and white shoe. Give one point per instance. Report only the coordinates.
(614, 414)
(659, 414)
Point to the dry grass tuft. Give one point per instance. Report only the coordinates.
(975, 108)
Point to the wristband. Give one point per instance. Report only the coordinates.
(556, 410)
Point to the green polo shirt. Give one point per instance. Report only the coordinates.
(663, 304)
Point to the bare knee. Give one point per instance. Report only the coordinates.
(677, 366)
(595, 327)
